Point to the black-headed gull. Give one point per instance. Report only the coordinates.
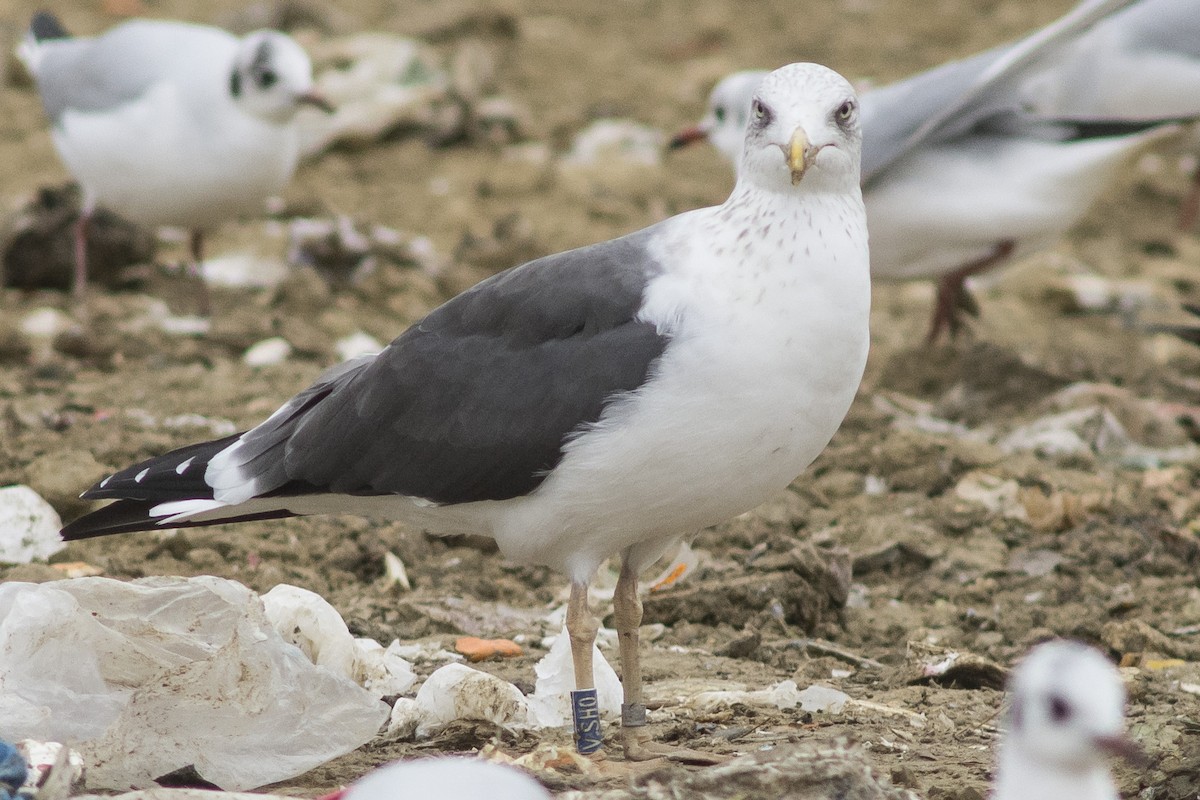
(170, 123)
(1066, 719)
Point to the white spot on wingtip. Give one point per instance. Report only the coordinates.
(182, 468)
(180, 510)
(141, 476)
(104, 482)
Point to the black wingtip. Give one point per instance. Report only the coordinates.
(1080, 129)
(47, 26)
(130, 516)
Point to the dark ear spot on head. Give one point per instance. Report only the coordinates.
(235, 84)
(262, 57)
(1060, 709)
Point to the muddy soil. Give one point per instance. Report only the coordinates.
(957, 540)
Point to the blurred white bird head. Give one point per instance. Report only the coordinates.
(1067, 709)
(272, 77)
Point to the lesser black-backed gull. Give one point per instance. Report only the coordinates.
(606, 400)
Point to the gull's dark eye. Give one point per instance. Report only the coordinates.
(1060, 709)
(267, 78)
(719, 113)
(760, 112)
(846, 111)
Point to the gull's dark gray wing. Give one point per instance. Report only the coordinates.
(475, 402)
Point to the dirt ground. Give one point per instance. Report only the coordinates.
(959, 538)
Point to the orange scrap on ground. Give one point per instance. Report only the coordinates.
(476, 649)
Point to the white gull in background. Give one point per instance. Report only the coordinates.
(607, 400)
(958, 174)
(169, 123)
(1141, 63)
(1066, 719)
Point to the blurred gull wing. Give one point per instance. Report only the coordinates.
(949, 100)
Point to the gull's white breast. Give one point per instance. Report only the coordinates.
(764, 360)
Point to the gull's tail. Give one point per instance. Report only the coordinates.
(165, 492)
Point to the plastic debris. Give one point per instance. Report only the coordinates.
(685, 562)
(379, 83)
(243, 270)
(1091, 293)
(447, 778)
(53, 769)
(45, 323)
(458, 692)
(544, 758)
(426, 653)
(783, 695)
(268, 352)
(1084, 430)
(382, 670)
(28, 526)
(357, 344)
(476, 649)
(394, 573)
(608, 140)
(551, 701)
(933, 664)
(996, 494)
(305, 619)
(308, 621)
(455, 692)
(163, 673)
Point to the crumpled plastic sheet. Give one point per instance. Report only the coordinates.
(783, 695)
(456, 691)
(308, 621)
(155, 675)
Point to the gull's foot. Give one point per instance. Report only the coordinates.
(640, 747)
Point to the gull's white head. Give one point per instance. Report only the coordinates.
(272, 77)
(802, 130)
(1067, 715)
